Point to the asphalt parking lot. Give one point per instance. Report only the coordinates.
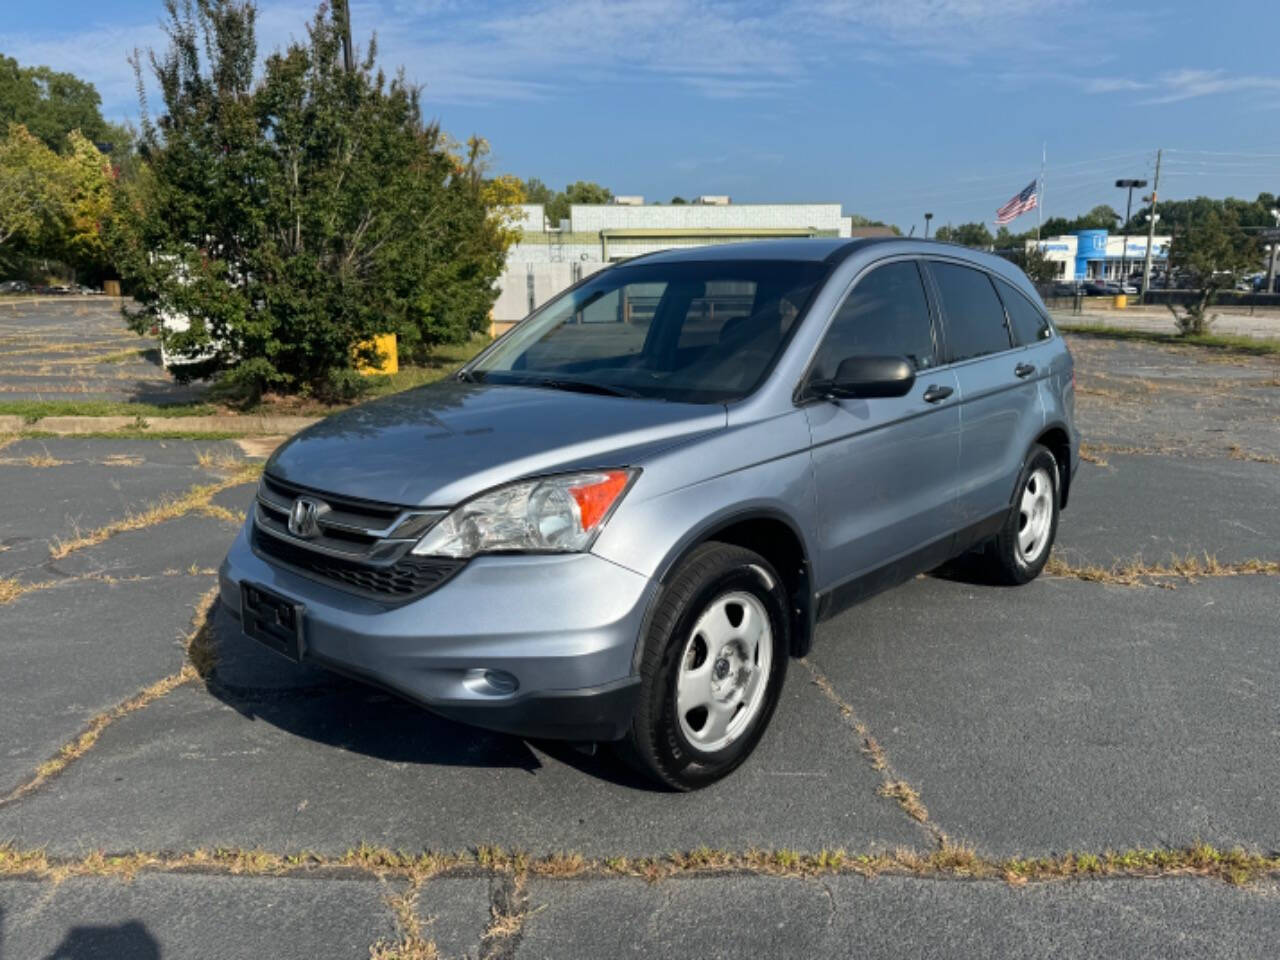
(78, 349)
(945, 775)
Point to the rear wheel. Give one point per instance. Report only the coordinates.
(714, 659)
(1021, 549)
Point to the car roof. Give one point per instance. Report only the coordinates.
(828, 249)
(788, 248)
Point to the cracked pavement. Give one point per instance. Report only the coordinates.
(1064, 716)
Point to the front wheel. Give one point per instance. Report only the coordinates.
(714, 659)
(1021, 549)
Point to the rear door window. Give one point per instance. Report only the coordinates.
(1029, 324)
(973, 312)
(886, 314)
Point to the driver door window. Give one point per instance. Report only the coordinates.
(886, 314)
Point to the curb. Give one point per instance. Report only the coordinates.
(69, 426)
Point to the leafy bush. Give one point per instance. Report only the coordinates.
(290, 218)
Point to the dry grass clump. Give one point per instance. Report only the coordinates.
(1237, 452)
(507, 915)
(908, 798)
(196, 500)
(410, 942)
(1136, 572)
(216, 459)
(10, 590)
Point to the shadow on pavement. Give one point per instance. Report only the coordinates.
(128, 941)
(327, 708)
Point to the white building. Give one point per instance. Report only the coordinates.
(549, 257)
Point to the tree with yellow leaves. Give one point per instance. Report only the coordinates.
(33, 182)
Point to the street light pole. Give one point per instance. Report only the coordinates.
(1124, 251)
(1275, 248)
(927, 218)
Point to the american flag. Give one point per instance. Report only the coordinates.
(1019, 204)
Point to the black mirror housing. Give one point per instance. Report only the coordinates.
(867, 377)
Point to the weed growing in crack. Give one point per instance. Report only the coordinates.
(891, 786)
(1235, 866)
(1136, 572)
(410, 942)
(200, 656)
(196, 500)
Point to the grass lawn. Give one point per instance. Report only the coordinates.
(32, 410)
(1234, 343)
(439, 364)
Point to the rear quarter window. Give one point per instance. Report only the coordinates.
(1029, 324)
(974, 315)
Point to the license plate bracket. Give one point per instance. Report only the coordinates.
(272, 620)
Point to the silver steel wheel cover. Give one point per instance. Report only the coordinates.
(724, 670)
(1035, 516)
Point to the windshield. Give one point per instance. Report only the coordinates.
(701, 332)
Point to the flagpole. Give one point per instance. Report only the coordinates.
(1044, 147)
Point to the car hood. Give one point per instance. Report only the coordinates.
(440, 444)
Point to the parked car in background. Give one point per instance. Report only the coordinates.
(15, 286)
(619, 526)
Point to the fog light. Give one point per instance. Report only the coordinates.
(490, 683)
(501, 681)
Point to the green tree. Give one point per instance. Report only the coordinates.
(580, 191)
(1038, 267)
(33, 182)
(678, 201)
(967, 235)
(50, 104)
(535, 191)
(292, 216)
(88, 204)
(1214, 253)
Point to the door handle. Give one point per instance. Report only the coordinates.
(1024, 370)
(936, 394)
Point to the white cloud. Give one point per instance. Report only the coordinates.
(512, 50)
(1186, 84)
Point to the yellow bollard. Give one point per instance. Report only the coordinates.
(388, 358)
(1121, 301)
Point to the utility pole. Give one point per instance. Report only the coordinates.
(342, 9)
(1151, 231)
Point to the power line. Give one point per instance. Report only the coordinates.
(1226, 153)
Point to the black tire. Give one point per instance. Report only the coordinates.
(1006, 561)
(656, 743)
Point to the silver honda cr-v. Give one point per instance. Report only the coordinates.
(620, 520)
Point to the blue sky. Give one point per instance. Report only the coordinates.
(890, 107)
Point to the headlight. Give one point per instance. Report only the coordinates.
(559, 514)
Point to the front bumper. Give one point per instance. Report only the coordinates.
(565, 627)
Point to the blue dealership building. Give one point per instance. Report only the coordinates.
(1100, 255)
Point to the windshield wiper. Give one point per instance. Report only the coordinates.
(581, 386)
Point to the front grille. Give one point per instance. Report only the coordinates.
(407, 579)
(357, 545)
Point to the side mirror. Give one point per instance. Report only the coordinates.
(866, 377)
